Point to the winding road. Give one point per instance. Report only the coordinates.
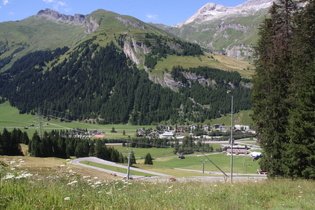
(105, 162)
(165, 177)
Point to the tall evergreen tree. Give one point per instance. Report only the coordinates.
(271, 86)
(301, 148)
(148, 159)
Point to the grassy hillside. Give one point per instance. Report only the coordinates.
(31, 34)
(211, 60)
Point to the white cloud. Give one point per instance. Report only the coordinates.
(152, 17)
(4, 2)
(56, 4)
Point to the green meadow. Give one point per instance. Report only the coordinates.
(10, 119)
(241, 164)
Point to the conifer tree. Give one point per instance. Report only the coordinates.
(301, 148)
(271, 86)
(148, 159)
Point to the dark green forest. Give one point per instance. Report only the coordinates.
(101, 83)
(61, 144)
(284, 90)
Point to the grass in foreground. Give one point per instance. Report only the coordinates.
(68, 189)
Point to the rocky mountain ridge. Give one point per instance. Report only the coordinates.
(212, 11)
(230, 31)
(78, 19)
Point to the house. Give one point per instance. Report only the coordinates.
(236, 151)
(153, 134)
(216, 126)
(167, 135)
(181, 129)
(140, 132)
(193, 127)
(222, 128)
(228, 146)
(242, 127)
(206, 127)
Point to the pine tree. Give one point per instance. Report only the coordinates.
(148, 159)
(271, 86)
(132, 158)
(301, 148)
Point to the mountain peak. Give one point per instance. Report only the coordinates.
(52, 15)
(212, 11)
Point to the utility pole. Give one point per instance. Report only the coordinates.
(203, 165)
(231, 138)
(128, 168)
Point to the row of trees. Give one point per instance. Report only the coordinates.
(284, 90)
(57, 144)
(10, 142)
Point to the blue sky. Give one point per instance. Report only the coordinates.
(168, 12)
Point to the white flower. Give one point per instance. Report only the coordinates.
(98, 182)
(72, 183)
(9, 176)
(67, 199)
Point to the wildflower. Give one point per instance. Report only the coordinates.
(170, 187)
(9, 176)
(98, 182)
(72, 183)
(67, 199)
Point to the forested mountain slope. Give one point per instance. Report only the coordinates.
(105, 76)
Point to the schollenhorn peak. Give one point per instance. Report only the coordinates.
(212, 11)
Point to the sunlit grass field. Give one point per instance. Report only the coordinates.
(10, 119)
(70, 187)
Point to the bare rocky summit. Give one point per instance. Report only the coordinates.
(52, 15)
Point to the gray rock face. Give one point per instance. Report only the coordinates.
(90, 25)
(52, 15)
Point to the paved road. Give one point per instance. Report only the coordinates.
(105, 162)
(165, 177)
